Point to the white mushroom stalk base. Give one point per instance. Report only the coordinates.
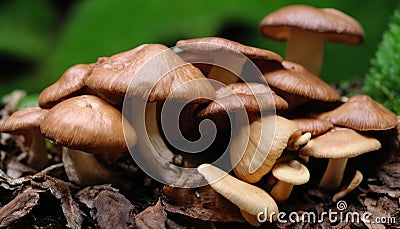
(333, 175)
(281, 191)
(83, 168)
(306, 48)
(37, 152)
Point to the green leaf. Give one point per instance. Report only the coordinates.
(382, 80)
(25, 28)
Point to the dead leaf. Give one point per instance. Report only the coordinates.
(19, 207)
(109, 208)
(61, 191)
(200, 203)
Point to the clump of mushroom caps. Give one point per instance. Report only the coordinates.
(82, 112)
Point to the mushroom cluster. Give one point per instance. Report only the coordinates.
(292, 113)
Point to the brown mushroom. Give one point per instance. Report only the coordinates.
(87, 126)
(70, 84)
(144, 76)
(297, 85)
(306, 29)
(313, 125)
(338, 145)
(226, 53)
(361, 113)
(26, 122)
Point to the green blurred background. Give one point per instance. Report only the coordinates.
(40, 39)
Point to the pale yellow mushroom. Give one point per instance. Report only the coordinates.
(249, 198)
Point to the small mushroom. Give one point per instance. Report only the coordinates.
(250, 199)
(338, 145)
(226, 53)
(306, 30)
(26, 122)
(87, 126)
(354, 183)
(297, 85)
(361, 113)
(288, 174)
(70, 84)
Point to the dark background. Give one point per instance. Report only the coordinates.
(40, 39)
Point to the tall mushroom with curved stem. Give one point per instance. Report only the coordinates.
(338, 145)
(87, 126)
(226, 53)
(143, 76)
(26, 122)
(306, 30)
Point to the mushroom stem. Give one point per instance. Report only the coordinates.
(333, 175)
(281, 191)
(37, 152)
(306, 48)
(227, 76)
(155, 155)
(295, 142)
(83, 168)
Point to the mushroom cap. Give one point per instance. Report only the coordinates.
(247, 197)
(253, 97)
(69, 85)
(361, 113)
(292, 172)
(89, 124)
(340, 143)
(151, 72)
(337, 26)
(204, 44)
(24, 119)
(313, 125)
(263, 147)
(297, 80)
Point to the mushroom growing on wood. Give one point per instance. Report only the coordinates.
(297, 85)
(249, 198)
(227, 54)
(338, 145)
(361, 113)
(288, 174)
(26, 122)
(70, 84)
(306, 30)
(87, 126)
